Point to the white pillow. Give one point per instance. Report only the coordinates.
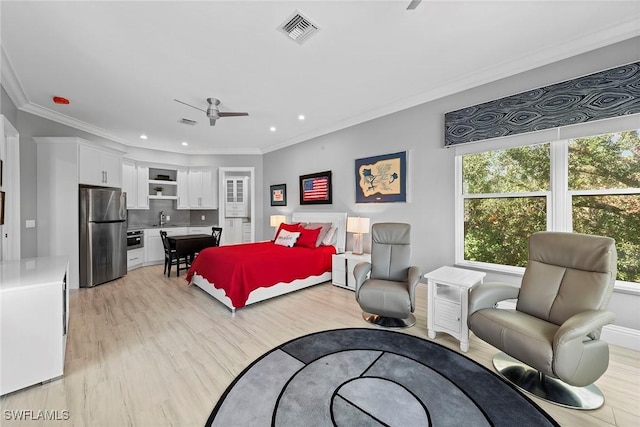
(331, 238)
(287, 238)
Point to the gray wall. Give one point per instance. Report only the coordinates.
(419, 130)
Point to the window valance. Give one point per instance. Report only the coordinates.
(603, 95)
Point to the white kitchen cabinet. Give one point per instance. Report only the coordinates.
(134, 183)
(153, 248)
(129, 182)
(135, 258)
(182, 190)
(99, 167)
(232, 231)
(202, 189)
(246, 232)
(34, 316)
(237, 197)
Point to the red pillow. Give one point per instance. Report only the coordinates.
(289, 227)
(308, 237)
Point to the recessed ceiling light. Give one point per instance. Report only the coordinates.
(143, 136)
(301, 117)
(185, 143)
(272, 128)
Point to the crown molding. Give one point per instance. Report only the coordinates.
(10, 81)
(71, 122)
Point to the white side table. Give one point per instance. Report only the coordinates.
(447, 307)
(342, 269)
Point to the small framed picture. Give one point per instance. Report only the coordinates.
(278, 195)
(315, 188)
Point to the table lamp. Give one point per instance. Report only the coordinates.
(276, 220)
(358, 226)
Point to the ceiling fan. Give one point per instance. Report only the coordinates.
(213, 112)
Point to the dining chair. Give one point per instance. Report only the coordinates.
(216, 232)
(171, 256)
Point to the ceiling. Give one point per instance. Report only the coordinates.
(122, 64)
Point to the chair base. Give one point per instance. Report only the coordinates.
(389, 322)
(547, 388)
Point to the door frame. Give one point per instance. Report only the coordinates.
(10, 154)
(222, 191)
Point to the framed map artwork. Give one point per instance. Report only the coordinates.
(381, 179)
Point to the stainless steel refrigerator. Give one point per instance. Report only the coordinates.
(103, 235)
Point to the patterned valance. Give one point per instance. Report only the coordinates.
(602, 95)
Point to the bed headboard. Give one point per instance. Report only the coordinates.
(338, 219)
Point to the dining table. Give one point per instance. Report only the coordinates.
(186, 246)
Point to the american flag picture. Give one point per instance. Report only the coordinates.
(316, 188)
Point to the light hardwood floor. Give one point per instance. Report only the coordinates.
(147, 350)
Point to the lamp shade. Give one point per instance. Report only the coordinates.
(276, 220)
(356, 224)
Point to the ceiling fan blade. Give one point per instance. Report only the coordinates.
(230, 114)
(212, 121)
(413, 4)
(189, 105)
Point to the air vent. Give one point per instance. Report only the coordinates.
(187, 122)
(298, 27)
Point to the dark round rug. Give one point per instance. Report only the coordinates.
(371, 377)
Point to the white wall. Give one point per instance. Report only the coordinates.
(419, 130)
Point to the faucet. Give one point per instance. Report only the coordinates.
(162, 218)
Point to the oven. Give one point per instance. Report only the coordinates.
(135, 239)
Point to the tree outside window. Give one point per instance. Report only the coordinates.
(508, 195)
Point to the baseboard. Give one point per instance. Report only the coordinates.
(621, 336)
(612, 334)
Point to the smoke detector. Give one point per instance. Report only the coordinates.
(298, 27)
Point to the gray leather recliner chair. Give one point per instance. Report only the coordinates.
(552, 338)
(387, 297)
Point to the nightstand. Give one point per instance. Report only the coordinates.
(342, 269)
(447, 305)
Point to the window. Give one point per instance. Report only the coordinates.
(496, 185)
(588, 185)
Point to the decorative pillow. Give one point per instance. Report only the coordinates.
(308, 237)
(331, 238)
(324, 228)
(289, 227)
(287, 238)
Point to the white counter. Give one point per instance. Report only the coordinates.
(27, 272)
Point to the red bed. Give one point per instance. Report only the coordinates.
(240, 269)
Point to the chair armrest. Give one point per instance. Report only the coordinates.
(579, 356)
(360, 272)
(487, 295)
(582, 324)
(413, 277)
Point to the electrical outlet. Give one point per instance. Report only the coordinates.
(202, 218)
(30, 223)
(168, 218)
